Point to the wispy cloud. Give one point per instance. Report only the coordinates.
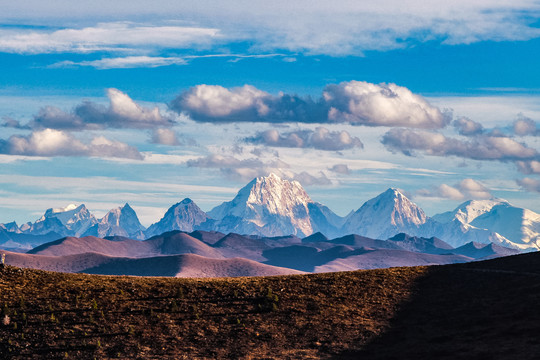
(124, 62)
(115, 36)
(146, 61)
(298, 26)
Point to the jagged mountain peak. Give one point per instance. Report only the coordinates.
(67, 213)
(273, 190)
(72, 220)
(385, 215)
(272, 206)
(184, 215)
(397, 206)
(276, 195)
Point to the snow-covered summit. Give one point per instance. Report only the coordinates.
(385, 216)
(71, 220)
(120, 221)
(270, 206)
(507, 225)
(184, 216)
(469, 210)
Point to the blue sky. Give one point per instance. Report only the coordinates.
(106, 103)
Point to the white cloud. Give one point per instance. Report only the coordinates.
(50, 142)
(122, 112)
(466, 189)
(355, 102)
(214, 102)
(482, 147)
(532, 185)
(115, 36)
(363, 103)
(524, 126)
(299, 26)
(466, 126)
(165, 137)
(125, 62)
(340, 169)
(529, 167)
(320, 138)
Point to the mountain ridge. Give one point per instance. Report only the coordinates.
(271, 206)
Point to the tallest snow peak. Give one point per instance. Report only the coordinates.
(268, 206)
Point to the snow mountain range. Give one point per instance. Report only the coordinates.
(272, 207)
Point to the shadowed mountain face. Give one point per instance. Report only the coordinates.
(420, 244)
(346, 253)
(479, 251)
(185, 265)
(173, 242)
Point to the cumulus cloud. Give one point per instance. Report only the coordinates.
(320, 138)
(164, 137)
(362, 103)
(114, 36)
(467, 127)
(15, 124)
(215, 103)
(482, 147)
(340, 169)
(529, 167)
(355, 102)
(51, 142)
(122, 112)
(466, 189)
(525, 126)
(532, 185)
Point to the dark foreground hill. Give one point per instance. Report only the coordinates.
(482, 310)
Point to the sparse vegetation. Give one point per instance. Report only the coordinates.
(458, 311)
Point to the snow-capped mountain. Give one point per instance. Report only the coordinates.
(271, 206)
(468, 211)
(69, 221)
(10, 227)
(509, 225)
(121, 221)
(386, 215)
(185, 216)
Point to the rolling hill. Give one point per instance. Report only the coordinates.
(479, 310)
